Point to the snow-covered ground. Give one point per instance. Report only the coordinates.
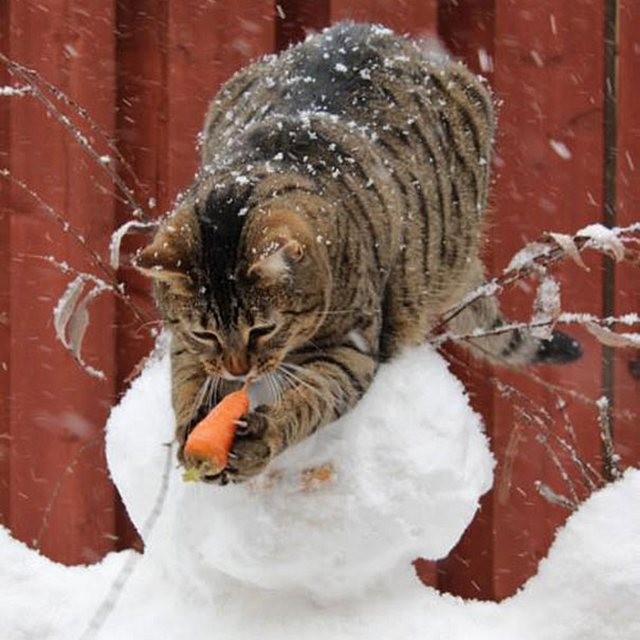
(320, 547)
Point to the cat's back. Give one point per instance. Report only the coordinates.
(361, 73)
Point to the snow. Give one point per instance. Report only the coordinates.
(526, 255)
(326, 553)
(9, 91)
(560, 148)
(605, 239)
(361, 488)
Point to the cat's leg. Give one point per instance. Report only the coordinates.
(321, 387)
(512, 347)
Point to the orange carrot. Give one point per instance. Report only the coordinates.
(212, 437)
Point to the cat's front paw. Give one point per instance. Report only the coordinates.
(254, 445)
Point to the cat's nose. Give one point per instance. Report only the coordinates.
(236, 364)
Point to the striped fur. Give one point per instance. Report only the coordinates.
(338, 211)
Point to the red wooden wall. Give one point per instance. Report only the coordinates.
(145, 70)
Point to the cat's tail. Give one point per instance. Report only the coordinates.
(505, 345)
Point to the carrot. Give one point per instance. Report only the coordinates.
(211, 439)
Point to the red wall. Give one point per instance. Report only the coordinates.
(145, 70)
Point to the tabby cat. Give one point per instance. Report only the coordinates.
(337, 213)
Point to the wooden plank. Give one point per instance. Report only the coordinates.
(627, 277)
(5, 261)
(549, 76)
(206, 43)
(545, 65)
(61, 497)
(467, 31)
(403, 16)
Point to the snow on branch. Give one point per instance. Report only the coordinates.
(595, 325)
(15, 91)
(535, 258)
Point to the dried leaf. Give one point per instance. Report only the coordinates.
(120, 233)
(77, 327)
(568, 245)
(527, 255)
(65, 307)
(611, 338)
(604, 239)
(546, 308)
(71, 317)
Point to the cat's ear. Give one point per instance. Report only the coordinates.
(170, 255)
(276, 260)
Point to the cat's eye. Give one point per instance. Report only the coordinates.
(261, 331)
(206, 336)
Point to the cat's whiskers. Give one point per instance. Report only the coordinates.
(290, 373)
(200, 396)
(214, 395)
(295, 382)
(295, 367)
(279, 382)
(271, 386)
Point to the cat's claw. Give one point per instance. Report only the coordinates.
(252, 424)
(242, 427)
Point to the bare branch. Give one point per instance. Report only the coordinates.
(37, 79)
(567, 318)
(111, 600)
(57, 489)
(15, 91)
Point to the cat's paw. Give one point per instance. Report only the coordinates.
(254, 446)
(252, 449)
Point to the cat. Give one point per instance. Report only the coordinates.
(337, 213)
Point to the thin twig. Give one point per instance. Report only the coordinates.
(555, 498)
(80, 111)
(57, 489)
(109, 603)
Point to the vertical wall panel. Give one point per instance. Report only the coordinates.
(467, 31)
(548, 73)
(206, 43)
(60, 493)
(627, 277)
(5, 302)
(141, 131)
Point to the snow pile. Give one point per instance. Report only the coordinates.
(411, 450)
(398, 477)
(40, 599)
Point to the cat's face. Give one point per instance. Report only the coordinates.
(240, 299)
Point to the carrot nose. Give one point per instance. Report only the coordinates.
(237, 365)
